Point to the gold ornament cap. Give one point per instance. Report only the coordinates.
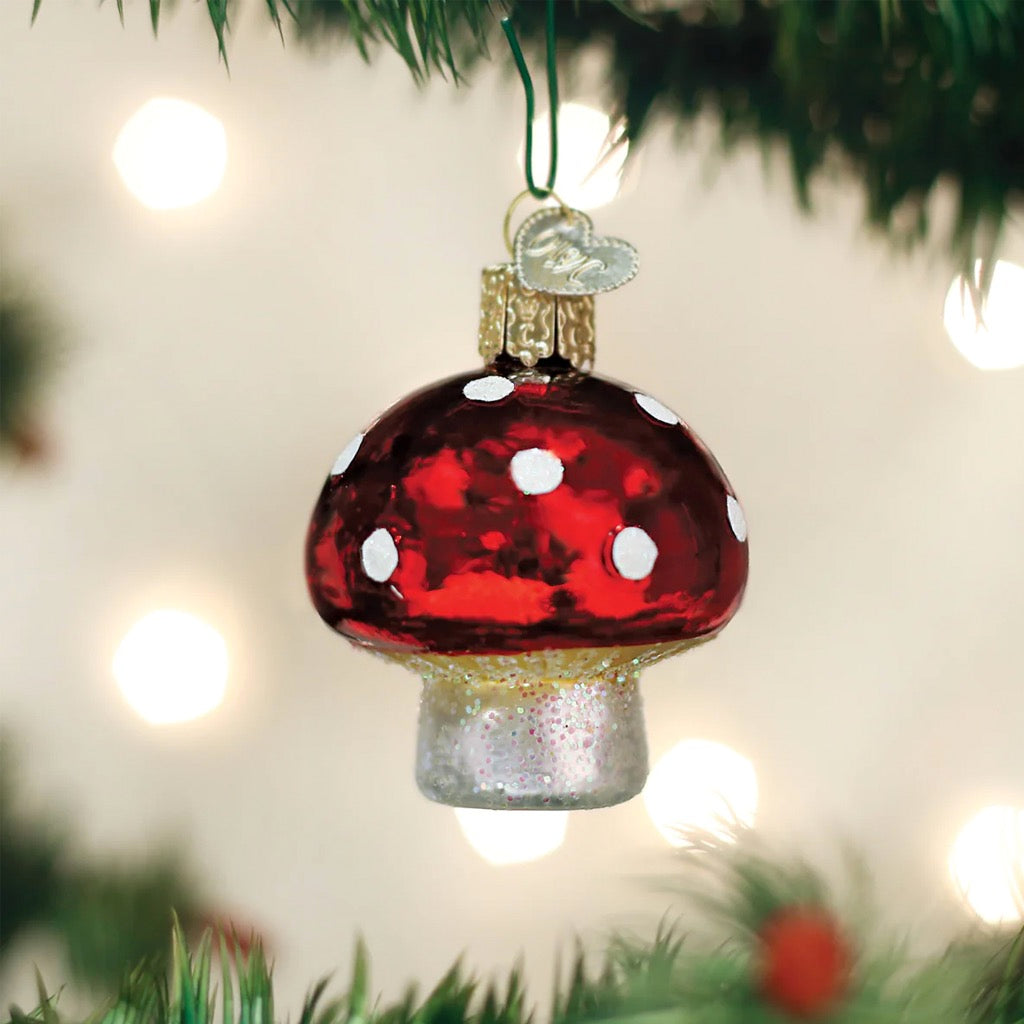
(532, 325)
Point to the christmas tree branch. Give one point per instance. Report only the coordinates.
(900, 94)
(104, 913)
(29, 349)
(733, 975)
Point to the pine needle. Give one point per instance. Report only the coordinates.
(275, 17)
(218, 10)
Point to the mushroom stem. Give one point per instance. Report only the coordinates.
(532, 744)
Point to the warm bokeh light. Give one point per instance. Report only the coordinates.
(512, 837)
(172, 667)
(171, 153)
(701, 786)
(998, 342)
(987, 864)
(589, 172)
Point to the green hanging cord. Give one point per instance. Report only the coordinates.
(524, 74)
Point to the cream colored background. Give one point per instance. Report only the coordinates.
(221, 355)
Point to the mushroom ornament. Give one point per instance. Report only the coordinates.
(527, 537)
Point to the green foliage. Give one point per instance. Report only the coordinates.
(113, 915)
(29, 856)
(107, 915)
(999, 962)
(900, 99)
(674, 979)
(902, 94)
(424, 33)
(28, 345)
(655, 984)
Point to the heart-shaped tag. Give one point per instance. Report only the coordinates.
(556, 252)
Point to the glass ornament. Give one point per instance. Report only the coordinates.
(527, 538)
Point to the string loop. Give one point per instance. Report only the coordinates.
(506, 227)
(524, 74)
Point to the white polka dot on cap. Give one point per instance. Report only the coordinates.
(634, 553)
(737, 520)
(536, 470)
(654, 408)
(348, 453)
(488, 389)
(379, 555)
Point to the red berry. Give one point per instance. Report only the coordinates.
(804, 962)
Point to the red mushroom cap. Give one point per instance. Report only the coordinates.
(505, 511)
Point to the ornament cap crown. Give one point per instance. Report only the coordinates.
(530, 325)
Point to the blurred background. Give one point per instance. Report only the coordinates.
(219, 345)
